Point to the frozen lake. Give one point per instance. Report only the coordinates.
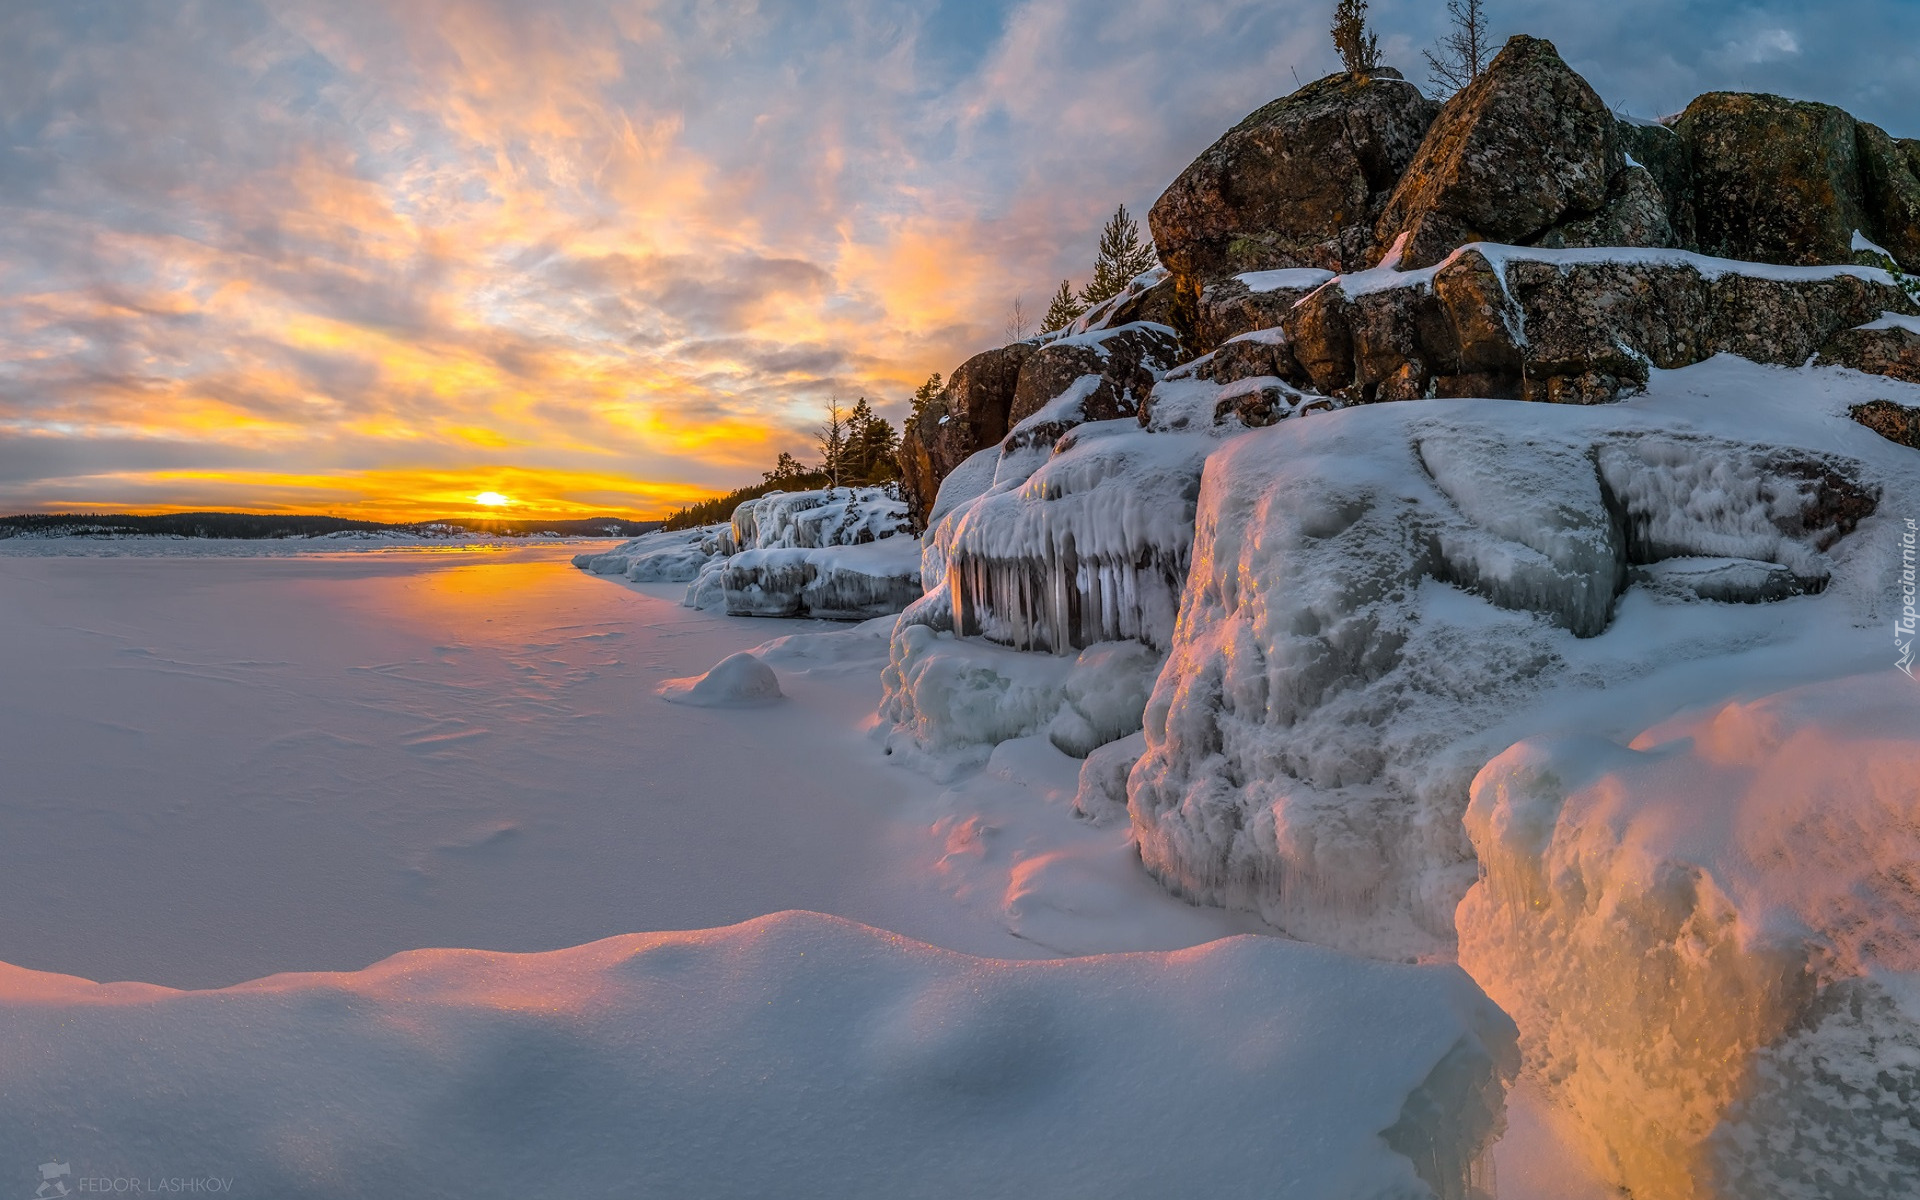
(220, 767)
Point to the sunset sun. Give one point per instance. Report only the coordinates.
(492, 500)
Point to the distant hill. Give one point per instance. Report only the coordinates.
(287, 525)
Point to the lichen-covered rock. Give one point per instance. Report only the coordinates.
(1774, 180)
(1663, 154)
(969, 415)
(1570, 326)
(1097, 376)
(1895, 422)
(1890, 182)
(1299, 183)
(1525, 148)
(1231, 307)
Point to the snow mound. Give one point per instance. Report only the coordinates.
(661, 557)
(1386, 596)
(736, 681)
(795, 1054)
(1709, 939)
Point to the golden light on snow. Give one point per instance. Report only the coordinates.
(492, 500)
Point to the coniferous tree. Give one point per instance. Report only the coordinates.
(1462, 54)
(1064, 308)
(925, 394)
(784, 468)
(1122, 255)
(1359, 47)
(831, 437)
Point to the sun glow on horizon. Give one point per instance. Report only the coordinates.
(492, 500)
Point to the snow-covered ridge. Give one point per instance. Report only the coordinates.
(796, 1054)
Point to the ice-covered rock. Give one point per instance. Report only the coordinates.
(842, 554)
(1709, 936)
(794, 1055)
(835, 583)
(1384, 594)
(847, 516)
(736, 681)
(661, 557)
(950, 700)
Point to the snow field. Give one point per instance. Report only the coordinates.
(795, 1054)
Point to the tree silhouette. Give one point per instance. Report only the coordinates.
(1461, 55)
(1359, 47)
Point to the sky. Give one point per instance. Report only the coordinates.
(375, 257)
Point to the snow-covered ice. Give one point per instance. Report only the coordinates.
(794, 1055)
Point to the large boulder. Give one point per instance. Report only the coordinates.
(1569, 326)
(1890, 183)
(969, 415)
(1526, 153)
(1096, 376)
(1299, 183)
(1774, 180)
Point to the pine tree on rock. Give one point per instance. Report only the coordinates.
(1063, 310)
(1122, 256)
(1359, 46)
(924, 395)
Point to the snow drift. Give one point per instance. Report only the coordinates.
(1711, 940)
(796, 1054)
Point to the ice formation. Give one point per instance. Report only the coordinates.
(737, 681)
(842, 554)
(662, 556)
(1710, 939)
(1386, 595)
(796, 1054)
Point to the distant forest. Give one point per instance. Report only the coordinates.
(294, 525)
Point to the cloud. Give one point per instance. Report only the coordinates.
(378, 252)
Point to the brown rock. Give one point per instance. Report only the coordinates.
(1774, 180)
(1127, 362)
(1579, 333)
(1250, 358)
(1890, 182)
(1299, 183)
(1663, 154)
(1524, 148)
(1229, 308)
(1895, 422)
(969, 415)
(1893, 352)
